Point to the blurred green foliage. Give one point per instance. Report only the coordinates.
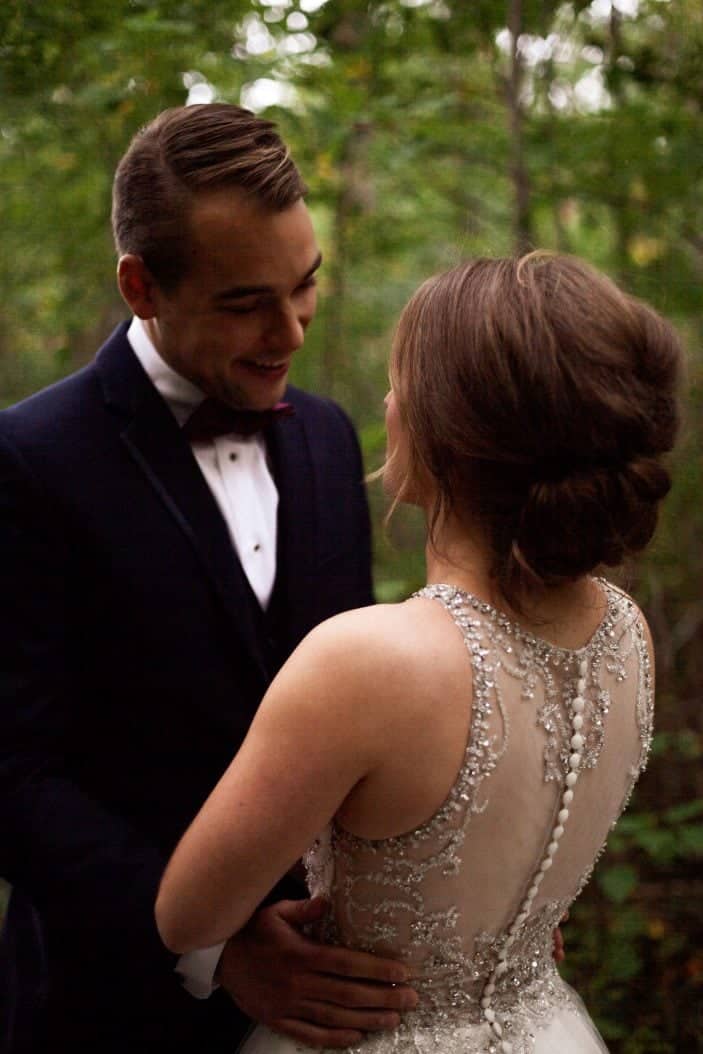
(424, 136)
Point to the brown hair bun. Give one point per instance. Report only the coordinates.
(593, 516)
(538, 399)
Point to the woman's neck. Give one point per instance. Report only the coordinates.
(461, 557)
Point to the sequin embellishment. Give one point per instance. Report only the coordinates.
(475, 931)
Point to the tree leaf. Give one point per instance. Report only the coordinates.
(617, 882)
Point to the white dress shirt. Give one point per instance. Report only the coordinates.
(237, 473)
(235, 468)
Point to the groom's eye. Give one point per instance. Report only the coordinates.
(245, 308)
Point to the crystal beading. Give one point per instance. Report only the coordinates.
(412, 896)
(577, 706)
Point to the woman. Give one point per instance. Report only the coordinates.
(465, 753)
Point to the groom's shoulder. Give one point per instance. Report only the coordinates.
(318, 409)
(52, 415)
(66, 405)
(54, 395)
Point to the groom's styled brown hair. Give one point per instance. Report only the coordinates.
(185, 152)
(538, 399)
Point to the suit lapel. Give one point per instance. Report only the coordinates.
(298, 543)
(153, 439)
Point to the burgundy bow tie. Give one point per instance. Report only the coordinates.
(213, 418)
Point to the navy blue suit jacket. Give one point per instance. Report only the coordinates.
(132, 658)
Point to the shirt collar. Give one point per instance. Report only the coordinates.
(180, 394)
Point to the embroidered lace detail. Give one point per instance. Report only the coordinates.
(466, 899)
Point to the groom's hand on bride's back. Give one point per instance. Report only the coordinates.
(318, 994)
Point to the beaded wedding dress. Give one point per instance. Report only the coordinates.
(470, 899)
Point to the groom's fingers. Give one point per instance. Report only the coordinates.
(340, 962)
(302, 912)
(356, 995)
(343, 962)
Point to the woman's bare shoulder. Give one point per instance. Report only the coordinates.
(381, 637)
(402, 656)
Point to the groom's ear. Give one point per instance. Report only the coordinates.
(137, 286)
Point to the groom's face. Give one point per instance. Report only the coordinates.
(234, 320)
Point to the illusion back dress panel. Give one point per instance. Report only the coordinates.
(470, 898)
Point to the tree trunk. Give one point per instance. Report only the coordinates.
(354, 194)
(333, 345)
(522, 227)
(620, 203)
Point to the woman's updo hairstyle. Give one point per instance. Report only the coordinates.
(538, 398)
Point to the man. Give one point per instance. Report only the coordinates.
(160, 560)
